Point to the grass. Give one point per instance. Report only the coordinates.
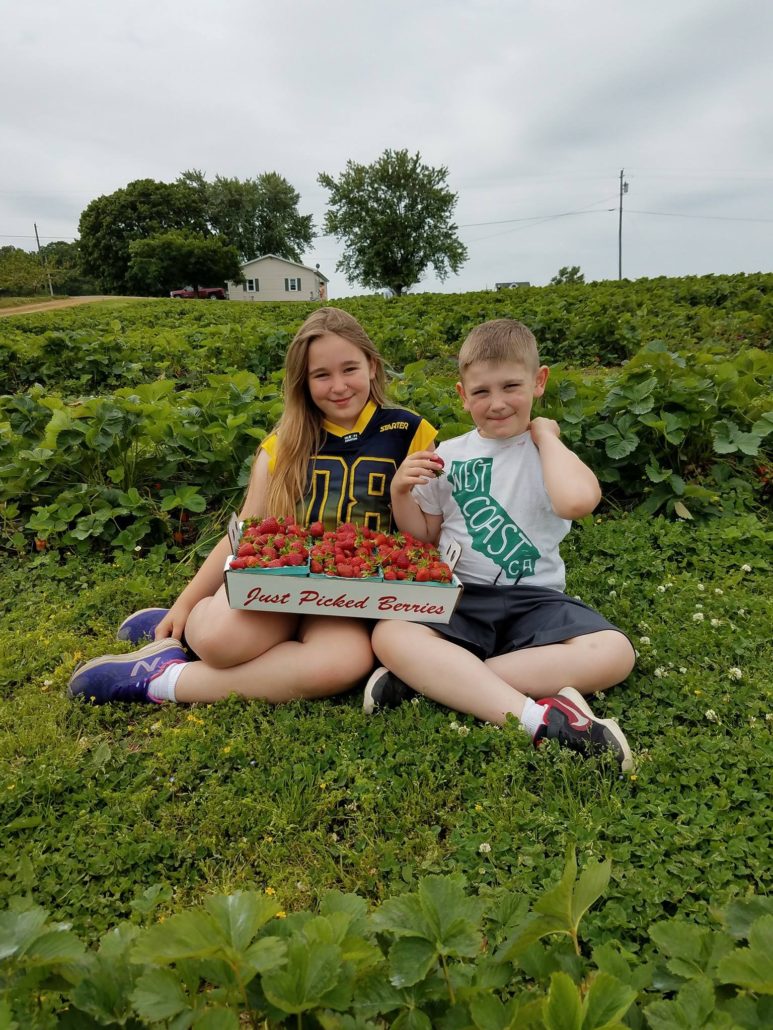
(97, 804)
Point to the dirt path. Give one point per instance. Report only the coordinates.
(49, 305)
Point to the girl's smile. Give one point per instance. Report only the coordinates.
(339, 377)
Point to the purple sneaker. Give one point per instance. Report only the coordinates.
(569, 720)
(125, 677)
(141, 625)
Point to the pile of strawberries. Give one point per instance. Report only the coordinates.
(404, 557)
(272, 543)
(350, 551)
(346, 551)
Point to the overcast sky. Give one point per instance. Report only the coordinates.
(534, 106)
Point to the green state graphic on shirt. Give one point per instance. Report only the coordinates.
(492, 532)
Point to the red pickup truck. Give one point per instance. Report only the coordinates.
(203, 293)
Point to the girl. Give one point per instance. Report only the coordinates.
(331, 459)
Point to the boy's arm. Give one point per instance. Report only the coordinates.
(417, 469)
(571, 486)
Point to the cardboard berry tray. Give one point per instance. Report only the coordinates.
(299, 592)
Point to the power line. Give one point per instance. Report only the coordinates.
(716, 218)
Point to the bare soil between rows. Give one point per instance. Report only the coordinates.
(50, 305)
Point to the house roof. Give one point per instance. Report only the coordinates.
(287, 261)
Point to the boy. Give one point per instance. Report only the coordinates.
(516, 643)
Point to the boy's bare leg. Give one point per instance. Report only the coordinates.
(444, 671)
(595, 661)
(224, 637)
(330, 655)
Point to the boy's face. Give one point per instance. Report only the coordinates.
(499, 396)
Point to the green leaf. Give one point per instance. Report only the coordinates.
(752, 967)
(185, 935)
(590, 886)
(563, 1009)
(19, 929)
(682, 510)
(309, 976)
(239, 916)
(402, 916)
(606, 1002)
(740, 916)
(679, 939)
(454, 918)
(159, 995)
(54, 948)
(412, 1019)
(410, 959)
(217, 1018)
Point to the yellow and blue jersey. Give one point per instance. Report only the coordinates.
(349, 479)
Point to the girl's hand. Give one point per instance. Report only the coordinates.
(417, 468)
(542, 427)
(172, 624)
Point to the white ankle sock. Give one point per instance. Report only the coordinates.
(162, 688)
(532, 716)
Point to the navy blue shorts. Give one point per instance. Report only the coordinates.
(493, 620)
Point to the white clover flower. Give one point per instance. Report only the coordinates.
(644, 640)
(463, 731)
(613, 593)
(683, 670)
(746, 568)
(484, 848)
(697, 617)
(768, 716)
(701, 587)
(719, 591)
(661, 589)
(698, 604)
(711, 715)
(735, 673)
(716, 622)
(454, 725)
(660, 672)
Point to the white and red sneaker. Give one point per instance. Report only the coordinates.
(569, 720)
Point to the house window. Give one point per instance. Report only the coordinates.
(252, 286)
(292, 285)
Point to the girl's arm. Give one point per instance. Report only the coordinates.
(417, 468)
(209, 578)
(571, 486)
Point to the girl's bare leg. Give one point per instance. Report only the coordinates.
(329, 656)
(595, 661)
(224, 637)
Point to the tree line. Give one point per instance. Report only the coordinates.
(393, 217)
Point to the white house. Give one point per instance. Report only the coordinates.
(275, 278)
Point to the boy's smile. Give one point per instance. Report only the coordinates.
(499, 396)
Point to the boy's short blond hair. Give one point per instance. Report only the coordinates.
(503, 339)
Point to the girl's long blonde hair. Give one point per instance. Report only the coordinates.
(299, 431)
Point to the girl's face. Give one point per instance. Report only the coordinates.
(339, 377)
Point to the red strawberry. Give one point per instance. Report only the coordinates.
(316, 529)
(269, 525)
(245, 550)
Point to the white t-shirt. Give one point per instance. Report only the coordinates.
(493, 501)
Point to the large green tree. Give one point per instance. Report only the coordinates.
(177, 258)
(63, 262)
(394, 218)
(21, 272)
(257, 216)
(110, 224)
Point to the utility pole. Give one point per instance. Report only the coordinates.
(43, 260)
(623, 189)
